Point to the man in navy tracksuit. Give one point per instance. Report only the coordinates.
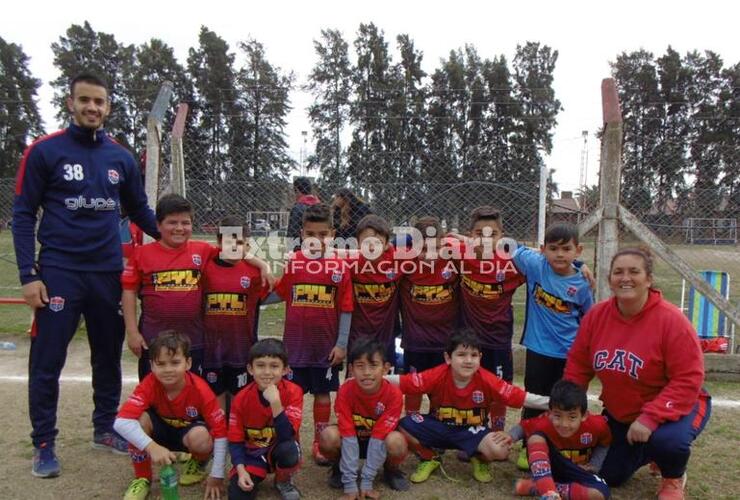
(81, 178)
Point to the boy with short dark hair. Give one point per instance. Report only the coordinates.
(166, 274)
(375, 279)
(567, 446)
(487, 284)
(172, 410)
(558, 296)
(232, 290)
(461, 394)
(429, 304)
(264, 425)
(368, 409)
(318, 314)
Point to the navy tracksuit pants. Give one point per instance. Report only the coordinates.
(97, 297)
(669, 445)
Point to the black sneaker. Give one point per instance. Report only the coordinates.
(45, 461)
(396, 480)
(110, 441)
(287, 490)
(335, 477)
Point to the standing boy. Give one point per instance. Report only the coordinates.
(375, 277)
(264, 425)
(167, 275)
(487, 283)
(429, 305)
(558, 296)
(173, 410)
(318, 313)
(461, 394)
(368, 409)
(567, 446)
(232, 290)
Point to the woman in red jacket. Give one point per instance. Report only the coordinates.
(646, 355)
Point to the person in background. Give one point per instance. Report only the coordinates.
(348, 212)
(303, 199)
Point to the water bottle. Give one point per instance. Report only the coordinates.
(168, 483)
(7, 346)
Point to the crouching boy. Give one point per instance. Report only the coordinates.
(368, 409)
(461, 394)
(264, 425)
(173, 410)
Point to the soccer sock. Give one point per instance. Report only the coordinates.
(572, 491)
(539, 464)
(412, 403)
(321, 416)
(498, 416)
(422, 451)
(141, 461)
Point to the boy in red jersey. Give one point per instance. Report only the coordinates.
(375, 279)
(568, 445)
(429, 304)
(368, 409)
(264, 425)
(166, 274)
(487, 283)
(172, 410)
(318, 313)
(460, 395)
(232, 290)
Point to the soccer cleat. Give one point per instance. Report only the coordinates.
(193, 472)
(551, 495)
(481, 471)
(335, 477)
(522, 463)
(672, 488)
(318, 457)
(287, 490)
(525, 488)
(45, 462)
(395, 479)
(138, 489)
(110, 441)
(424, 470)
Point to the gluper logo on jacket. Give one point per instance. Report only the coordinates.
(97, 204)
(113, 176)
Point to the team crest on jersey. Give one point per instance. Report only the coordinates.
(500, 276)
(478, 397)
(191, 411)
(113, 176)
(244, 281)
(196, 259)
(446, 273)
(571, 291)
(390, 275)
(417, 417)
(336, 277)
(211, 377)
(586, 438)
(56, 304)
(379, 409)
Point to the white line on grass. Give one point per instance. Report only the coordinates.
(75, 379)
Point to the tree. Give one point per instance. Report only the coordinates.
(20, 120)
(263, 92)
(86, 50)
(330, 84)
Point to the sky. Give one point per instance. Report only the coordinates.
(587, 36)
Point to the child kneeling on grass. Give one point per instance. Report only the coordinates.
(264, 425)
(461, 394)
(567, 446)
(173, 410)
(368, 409)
